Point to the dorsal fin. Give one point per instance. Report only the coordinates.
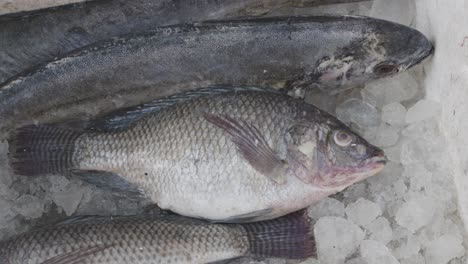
(123, 118)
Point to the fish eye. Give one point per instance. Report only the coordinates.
(385, 69)
(342, 138)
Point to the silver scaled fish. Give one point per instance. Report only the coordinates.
(231, 154)
(151, 239)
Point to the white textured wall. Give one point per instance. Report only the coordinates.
(446, 23)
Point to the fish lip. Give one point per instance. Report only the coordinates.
(371, 165)
(379, 159)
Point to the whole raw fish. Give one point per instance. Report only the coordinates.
(149, 239)
(31, 38)
(231, 154)
(329, 52)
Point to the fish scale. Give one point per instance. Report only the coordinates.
(168, 141)
(224, 156)
(145, 239)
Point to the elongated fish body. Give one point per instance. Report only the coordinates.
(225, 154)
(329, 52)
(170, 239)
(32, 38)
(325, 2)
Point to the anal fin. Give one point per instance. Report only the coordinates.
(110, 181)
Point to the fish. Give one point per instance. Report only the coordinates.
(35, 37)
(330, 53)
(153, 239)
(303, 3)
(225, 154)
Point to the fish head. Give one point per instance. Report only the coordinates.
(383, 50)
(326, 153)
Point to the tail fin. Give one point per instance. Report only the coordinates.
(289, 237)
(35, 150)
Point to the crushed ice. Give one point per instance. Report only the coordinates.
(407, 214)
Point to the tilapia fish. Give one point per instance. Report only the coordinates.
(231, 154)
(31, 38)
(170, 239)
(328, 52)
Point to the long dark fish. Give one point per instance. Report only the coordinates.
(230, 154)
(327, 52)
(31, 38)
(169, 239)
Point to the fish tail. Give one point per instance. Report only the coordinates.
(289, 237)
(36, 150)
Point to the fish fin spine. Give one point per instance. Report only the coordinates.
(290, 237)
(36, 150)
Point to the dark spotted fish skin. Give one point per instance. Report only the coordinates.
(330, 53)
(151, 239)
(31, 38)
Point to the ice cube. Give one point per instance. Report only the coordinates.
(443, 249)
(394, 153)
(420, 178)
(409, 248)
(322, 100)
(327, 207)
(422, 110)
(398, 88)
(386, 136)
(443, 195)
(380, 230)
(393, 206)
(374, 252)
(389, 175)
(57, 183)
(363, 212)
(394, 114)
(358, 112)
(9, 228)
(355, 261)
(29, 206)
(421, 150)
(423, 129)
(355, 192)
(418, 259)
(69, 198)
(415, 213)
(96, 201)
(337, 239)
(6, 212)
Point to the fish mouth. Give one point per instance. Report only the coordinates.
(343, 177)
(380, 159)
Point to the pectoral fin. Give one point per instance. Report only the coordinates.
(76, 256)
(252, 145)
